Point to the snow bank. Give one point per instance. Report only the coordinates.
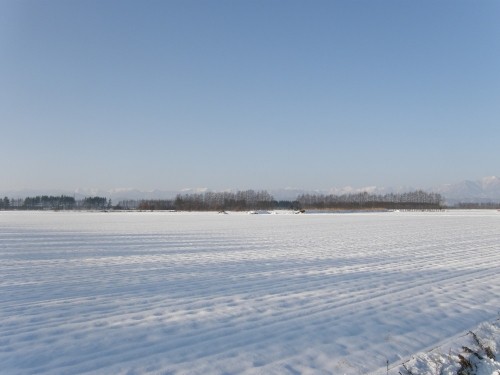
(476, 352)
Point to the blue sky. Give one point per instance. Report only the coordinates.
(248, 94)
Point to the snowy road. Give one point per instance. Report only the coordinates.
(202, 293)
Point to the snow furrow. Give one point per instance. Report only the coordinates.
(212, 294)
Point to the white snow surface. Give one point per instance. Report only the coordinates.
(445, 360)
(202, 293)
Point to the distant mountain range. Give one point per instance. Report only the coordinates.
(486, 189)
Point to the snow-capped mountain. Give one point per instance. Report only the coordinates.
(486, 189)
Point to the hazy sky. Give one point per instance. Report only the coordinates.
(248, 94)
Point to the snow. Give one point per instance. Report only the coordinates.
(202, 293)
(445, 359)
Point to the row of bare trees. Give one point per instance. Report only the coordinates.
(49, 202)
(418, 199)
(4, 203)
(217, 201)
(237, 201)
(262, 200)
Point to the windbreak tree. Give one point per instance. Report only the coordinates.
(219, 201)
(410, 200)
(45, 202)
(95, 203)
(4, 203)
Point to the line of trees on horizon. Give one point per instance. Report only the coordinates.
(478, 206)
(245, 200)
(49, 202)
(417, 199)
(217, 201)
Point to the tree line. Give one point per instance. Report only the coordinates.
(208, 201)
(262, 200)
(217, 201)
(49, 202)
(416, 200)
(480, 206)
(243, 201)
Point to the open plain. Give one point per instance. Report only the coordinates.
(203, 293)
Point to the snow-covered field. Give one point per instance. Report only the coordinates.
(202, 293)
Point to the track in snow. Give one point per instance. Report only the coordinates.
(179, 293)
